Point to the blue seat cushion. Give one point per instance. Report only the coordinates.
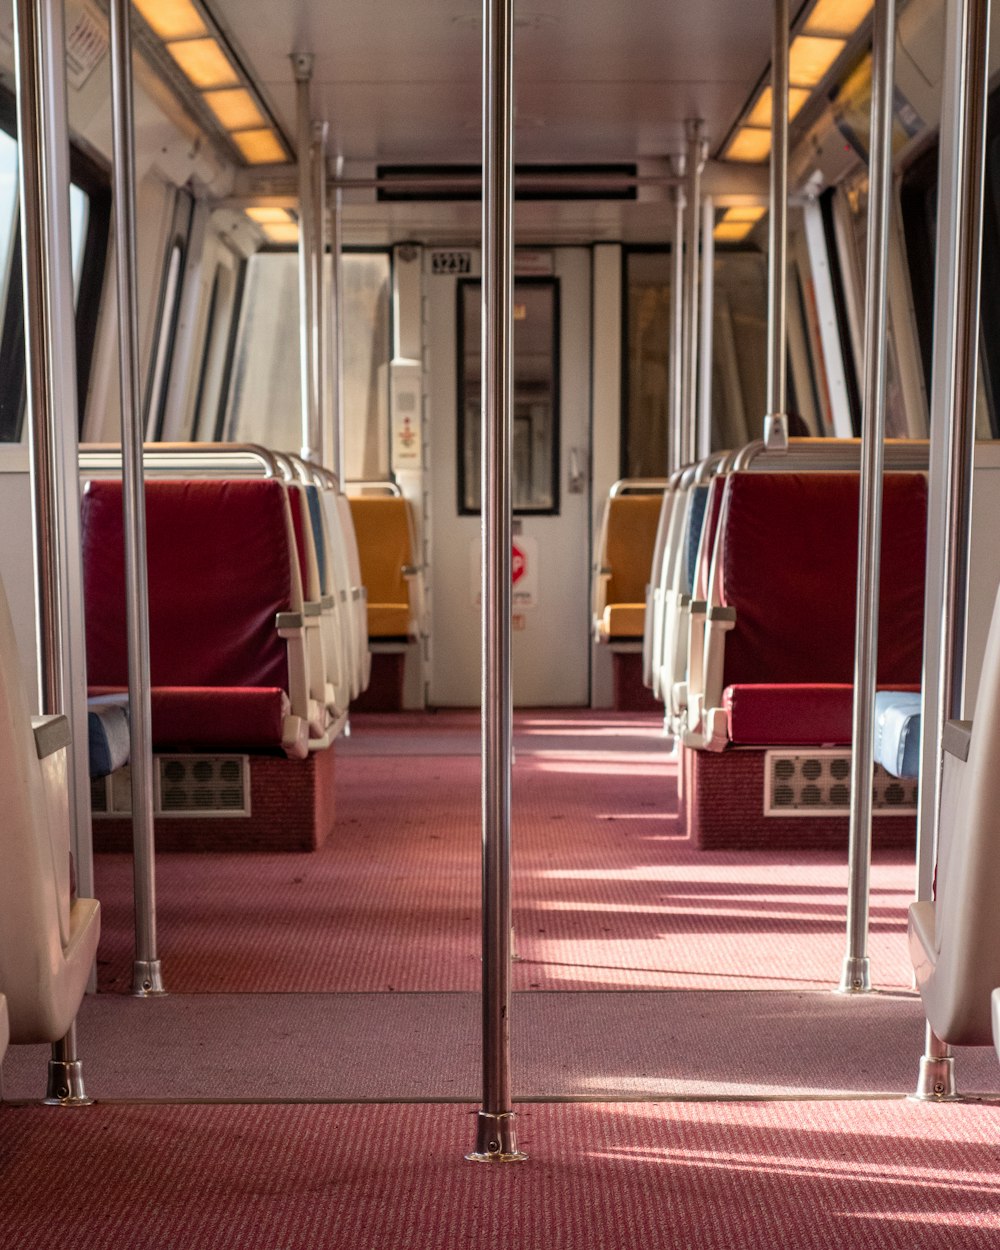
(897, 732)
(107, 733)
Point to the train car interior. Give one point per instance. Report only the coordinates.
(499, 625)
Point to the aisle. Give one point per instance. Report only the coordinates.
(607, 893)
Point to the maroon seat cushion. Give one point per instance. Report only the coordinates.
(220, 570)
(791, 714)
(230, 718)
(790, 568)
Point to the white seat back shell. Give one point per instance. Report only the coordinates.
(47, 944)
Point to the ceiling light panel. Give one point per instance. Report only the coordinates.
(259, 147)
(837, 17)
(288, 232)
(172, 19)
(760, 114)
(235, 108)
(264, 215)
(810, 58)
(204, 63)
(744, 212)
(749, 144)
(732, 231)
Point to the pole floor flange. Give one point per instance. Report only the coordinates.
(856, 977)
(496, 1139)
(65, 1084)
(147, 979)
(936, 1080)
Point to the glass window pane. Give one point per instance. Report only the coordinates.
(265, 393)
(648, 345)
(535, 400)
(79, 213)
(8, 203)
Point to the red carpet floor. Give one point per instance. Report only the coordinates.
(607, 893)
(803, 1176)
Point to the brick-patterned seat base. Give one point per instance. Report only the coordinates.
(291, 809)
(721, 807)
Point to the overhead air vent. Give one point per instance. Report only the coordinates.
(811, 783)
(415, 183)
(184, 785)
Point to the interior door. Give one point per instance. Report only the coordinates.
(551, 463)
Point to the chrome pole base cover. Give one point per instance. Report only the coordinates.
(856, 977)
(496, 1140)
(936, 1080)
(65, 1084)
(147, 979)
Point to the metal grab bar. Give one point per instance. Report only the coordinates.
(199, 457)
(359, 485)
(639, 486)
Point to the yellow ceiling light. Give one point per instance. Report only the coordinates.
(732, 231)
(810, 57)
(749, 144)
(287, 232)
(172, 19)
(744, 212)
(259, 147)
(264, 215)
(235, 108)
(204, 63)
(837, 17)
(760, 114)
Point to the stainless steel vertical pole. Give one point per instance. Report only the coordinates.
(147, 977)
(321, 287)
(695, 164)
(39, 54)
(336, 309)
(776, 417)
(856, 975)
(675, 439)
(302, 66)
(496, 1139)
(703, 442)
(953, 409)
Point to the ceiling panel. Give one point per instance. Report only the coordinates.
(595, 81)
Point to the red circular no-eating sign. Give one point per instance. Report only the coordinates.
(518, 564)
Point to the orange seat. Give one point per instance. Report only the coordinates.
(625, 563)
(384, 529)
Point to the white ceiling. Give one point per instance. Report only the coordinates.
(595, 81)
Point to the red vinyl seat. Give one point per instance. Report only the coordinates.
(784, 578)
(222, 569)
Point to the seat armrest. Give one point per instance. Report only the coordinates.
(957, 736)
(51, 734)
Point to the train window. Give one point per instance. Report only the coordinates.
(535, 399)
(170, 307)
(646, 377)
(264, 395)
(8, 205)
(739, 355)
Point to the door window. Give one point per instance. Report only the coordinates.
(535, 459)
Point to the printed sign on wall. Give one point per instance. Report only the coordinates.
(523, 572)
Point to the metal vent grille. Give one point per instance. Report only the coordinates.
(184, 785)
(820, 782)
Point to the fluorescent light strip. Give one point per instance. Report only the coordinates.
(760, 114)
(810, 58)
(744, 212)
(282, 233)
(732, 231)
(235, 108)
(172, 19)
(259, 147)
(265, 215)
(204, 63)
(837, 17)
(749, 144)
